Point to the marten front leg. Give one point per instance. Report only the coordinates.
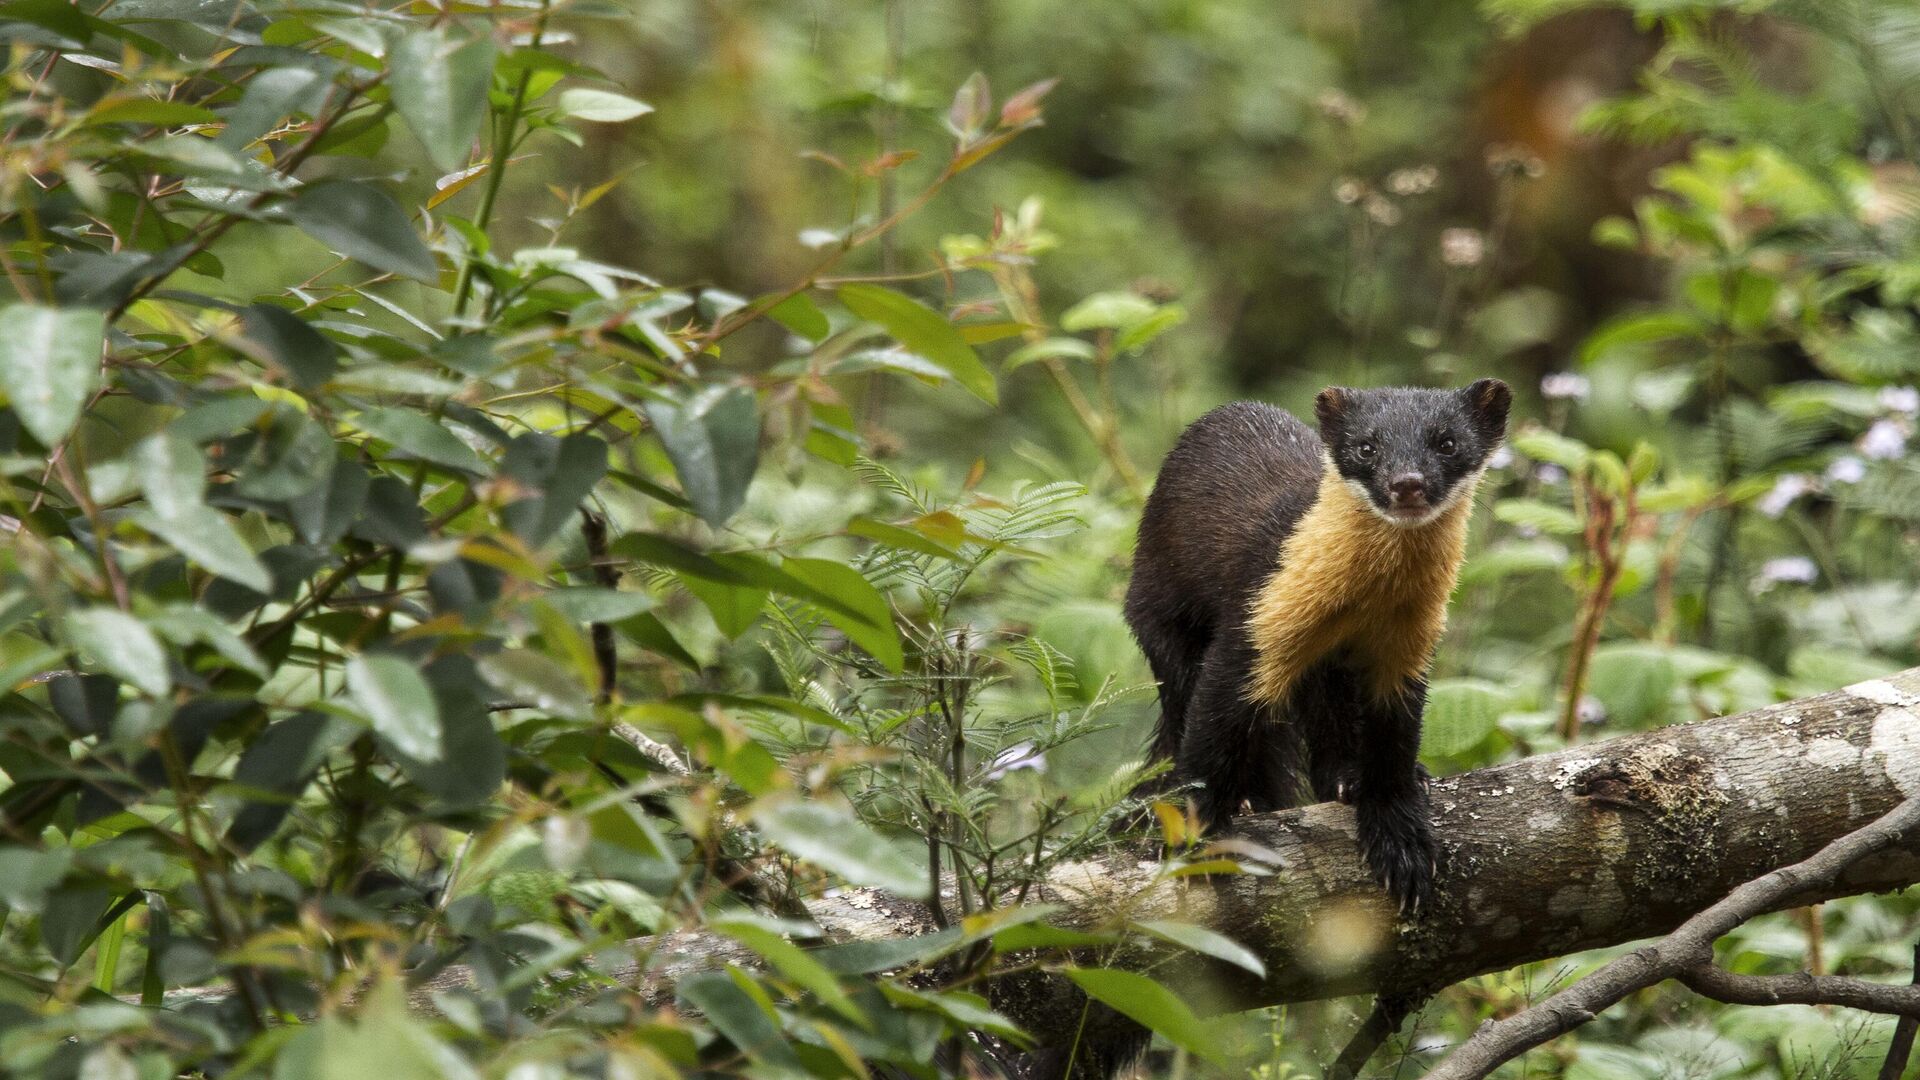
(1231, 746)
(1390, 797)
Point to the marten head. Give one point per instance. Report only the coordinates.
(1410, 454)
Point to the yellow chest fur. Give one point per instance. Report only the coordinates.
(1350, 582)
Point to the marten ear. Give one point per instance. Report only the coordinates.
(1487, 402)
(1330, 408)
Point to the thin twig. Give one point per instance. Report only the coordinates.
(1901, 1048)
(1801, 988)
(1686, 949)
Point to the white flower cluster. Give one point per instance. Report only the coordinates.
(1885, 440)
(1565, 386)
(1787, 489)
(1462, 247)
(1787, 570)
(1019, 756)
(1415, 181)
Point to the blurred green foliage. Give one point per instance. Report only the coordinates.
(485, 484)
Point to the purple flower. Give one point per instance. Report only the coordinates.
(1550, 474)
(1900, 399)
(1500, 458)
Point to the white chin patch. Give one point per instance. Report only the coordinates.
(1404, 520)
(1425, 516)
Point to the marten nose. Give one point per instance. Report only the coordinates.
(1408, 488)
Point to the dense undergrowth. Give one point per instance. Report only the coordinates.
(397, 575)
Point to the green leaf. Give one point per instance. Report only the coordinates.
(150, 111)
(26, 875)
(122, 645)
(558, 474)
(363, 222)
(894, 536)
(767, 703)
(862, 612)
(1512, 558)
(538, 681)
(1136, 337)
(1534, 514)
(601, 106)
(204, 535)
(961, 1009)
(72, 919)
(1205, 942)
(173, 473)
(1108, 311)
(1825, 667)
(24, 660)
(1638, 329)
(50, 365)
(923, 331)
(667, 552)
(293, 456)
(1460, 713)
(625, 825)
(286, 341)
(440, 78)
(1542, 445)
(749, 1026)
(106, 966)
(1053, 348)
(768, 939)
(474, 762)
(272, 96)
(413, 433)
(397, 701)
(1634, 680)
(713, 439)
(735, 608)
(281, 761)
(840, 594)
(799, 314)
(647, 631)
(1148, 1003)
(830, 836)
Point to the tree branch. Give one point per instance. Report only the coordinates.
(1687, 951)
(1900, 1047)
(1802, 988)
(1387, 1015)
(1595, 846)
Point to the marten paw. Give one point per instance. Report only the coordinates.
(1342, 785)
(1336, 785)
(1396, 840)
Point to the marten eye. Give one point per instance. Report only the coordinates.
(1363, 451)
(1446, 446)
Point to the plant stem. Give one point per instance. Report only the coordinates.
(1604, 546)
(505, 129)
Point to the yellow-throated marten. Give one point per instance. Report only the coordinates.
(1288, 590)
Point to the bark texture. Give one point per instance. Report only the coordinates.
(1598, 845)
